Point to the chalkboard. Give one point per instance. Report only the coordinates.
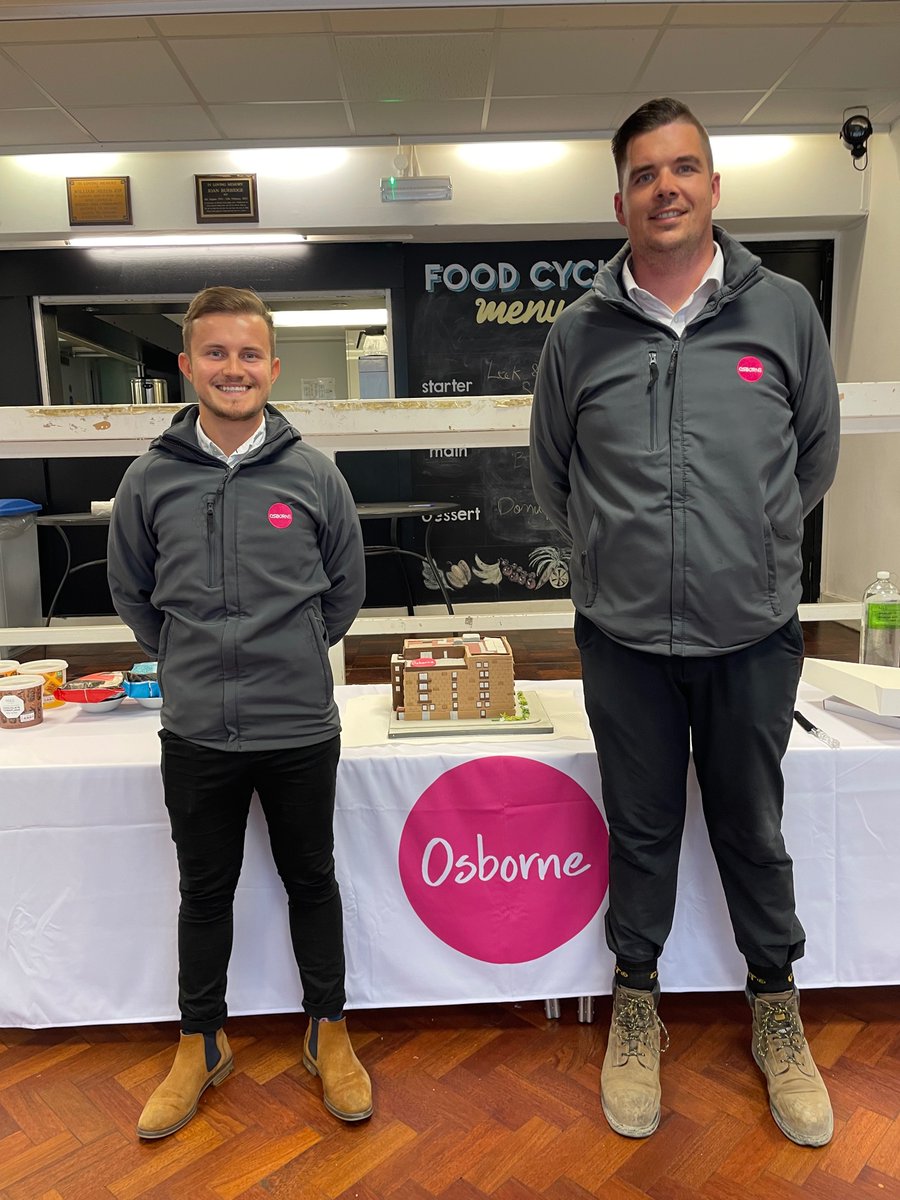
(495, 545)
(478, 315)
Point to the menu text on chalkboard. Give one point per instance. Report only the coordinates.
(226, 198)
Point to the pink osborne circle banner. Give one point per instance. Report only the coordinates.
(504, 858)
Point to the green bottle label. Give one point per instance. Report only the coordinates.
(884, 616)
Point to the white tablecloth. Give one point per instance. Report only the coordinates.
(88, 883)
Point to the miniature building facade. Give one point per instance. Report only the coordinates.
(453, 678)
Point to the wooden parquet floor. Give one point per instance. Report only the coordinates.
(471, 1101)
(474, 1101)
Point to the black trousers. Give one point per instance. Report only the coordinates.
(647, 712)
(208, 795)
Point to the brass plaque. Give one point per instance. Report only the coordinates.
(101, 200)
(226, 198)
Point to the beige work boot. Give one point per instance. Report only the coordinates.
(346, 1087)
(798, 1097)
(175, 1100)
(629, 1079)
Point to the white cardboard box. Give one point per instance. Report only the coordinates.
(874, 688)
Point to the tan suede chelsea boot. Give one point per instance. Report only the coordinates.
(798, 1097)
(346, 1087)
(175, 1100)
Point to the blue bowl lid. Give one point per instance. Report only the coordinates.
(16, 508)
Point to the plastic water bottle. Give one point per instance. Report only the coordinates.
(879, 642)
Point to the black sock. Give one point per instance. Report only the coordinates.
(761, 980)
(642, 976)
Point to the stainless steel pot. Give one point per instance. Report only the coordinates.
(149, 391)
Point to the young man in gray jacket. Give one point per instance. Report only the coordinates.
(685, 421)
(236, 557)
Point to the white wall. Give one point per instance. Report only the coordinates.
(811, 186)
(310, 359)
(863, 508)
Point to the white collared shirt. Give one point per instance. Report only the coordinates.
(254, 440)
(712, 280)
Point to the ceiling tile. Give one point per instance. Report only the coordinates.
(570, 63)
(820, 106)
(715, 110)
(585, 16)
(38, 127)
(299, 120)
(61, 30)
(98, 72)
(776, 12)
(147, 123)
(276, 68)
(17, 90)
(724, 59)
(249, 24)
(554, 114)
(412, 20)
(864, 57)
(415, 66)
(417, 118)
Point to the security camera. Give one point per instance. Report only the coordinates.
(855, 133)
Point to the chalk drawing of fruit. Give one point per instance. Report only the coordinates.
(551, 565)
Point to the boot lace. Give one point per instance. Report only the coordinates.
(634, 1021)
(778, 1028)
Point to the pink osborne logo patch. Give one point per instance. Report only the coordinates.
(750, 369)
(280, 516)
(504, 859)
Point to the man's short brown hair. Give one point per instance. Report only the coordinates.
(653, 115)
(225, 300)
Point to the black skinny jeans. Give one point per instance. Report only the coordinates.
(646, 712)
(208, 795)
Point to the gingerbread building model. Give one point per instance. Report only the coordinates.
(453, 678)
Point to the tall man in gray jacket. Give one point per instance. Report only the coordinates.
(236, 557)
(685, 421)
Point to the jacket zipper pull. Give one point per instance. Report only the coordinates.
(654, 369)
(673, 360)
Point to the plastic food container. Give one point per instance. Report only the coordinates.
(53, 672)
(8, 666)
(21, 704)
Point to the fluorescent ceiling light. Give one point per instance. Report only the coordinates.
(351, 318)
(291, 162)
(511, 157)
(186, 239)
(416, 187)
(749, 150)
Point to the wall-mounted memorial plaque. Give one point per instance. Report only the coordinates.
(102, 200)
(226, 198)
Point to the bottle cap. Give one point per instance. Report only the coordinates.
(882, 574)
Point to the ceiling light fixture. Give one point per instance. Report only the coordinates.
(312, 318)
(184, 239)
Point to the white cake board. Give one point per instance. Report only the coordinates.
(537, 722)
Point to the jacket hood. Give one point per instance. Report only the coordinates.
(741, 268)
(180, 438)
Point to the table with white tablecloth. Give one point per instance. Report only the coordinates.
(472, 868)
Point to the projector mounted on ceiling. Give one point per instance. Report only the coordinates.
(416, 187)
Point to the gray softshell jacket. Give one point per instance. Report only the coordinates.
(681, 468)
(237, 580)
